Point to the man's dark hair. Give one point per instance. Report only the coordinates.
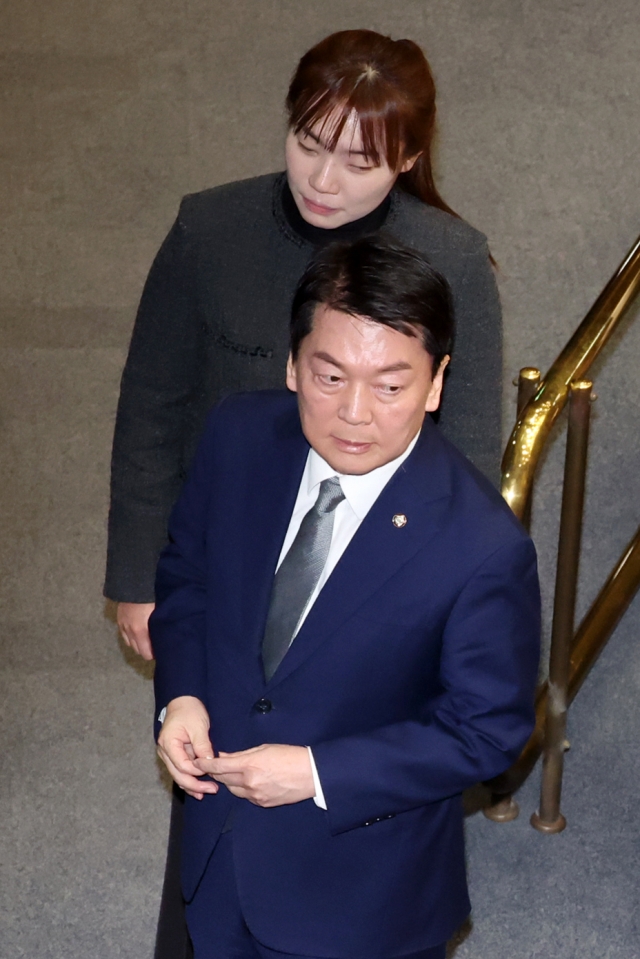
(380, 279)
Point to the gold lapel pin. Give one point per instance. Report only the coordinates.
(399, 520)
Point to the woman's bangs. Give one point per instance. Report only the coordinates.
(329, 112)
(381, 136)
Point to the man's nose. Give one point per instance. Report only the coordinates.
(356, 407)
(323, 177)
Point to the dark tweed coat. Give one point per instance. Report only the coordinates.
(214, 319)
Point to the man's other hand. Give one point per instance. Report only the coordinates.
(183, 740)
(269, 775)
(133, 623)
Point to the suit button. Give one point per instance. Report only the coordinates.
(263, 706)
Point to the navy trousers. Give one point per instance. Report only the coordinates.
(214, 917)
(172, 938)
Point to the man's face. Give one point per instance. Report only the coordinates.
(363, 390)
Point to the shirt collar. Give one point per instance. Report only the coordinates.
(361, 491)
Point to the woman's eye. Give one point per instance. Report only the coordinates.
(305, 148)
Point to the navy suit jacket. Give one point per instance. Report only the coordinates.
(412, 678)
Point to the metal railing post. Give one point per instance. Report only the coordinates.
(505, 808)
(549, 818)
(528, 383)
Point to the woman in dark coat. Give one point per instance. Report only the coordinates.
(214, 314)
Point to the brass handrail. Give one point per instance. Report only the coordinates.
(533, 426)
(538, 416)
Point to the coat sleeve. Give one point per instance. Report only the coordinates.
(471, 414)
(477, 726)
(161, 382)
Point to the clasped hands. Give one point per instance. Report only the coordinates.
(268, 775)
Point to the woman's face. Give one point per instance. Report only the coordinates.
(331, 189)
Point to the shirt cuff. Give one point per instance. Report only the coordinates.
(318, 799)
(162, 715)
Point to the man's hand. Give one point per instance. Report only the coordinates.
(271, 775)
(133, 623)
(184, 740)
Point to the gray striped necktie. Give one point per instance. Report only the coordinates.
(298, 575)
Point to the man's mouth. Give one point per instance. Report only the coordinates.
(351, 446)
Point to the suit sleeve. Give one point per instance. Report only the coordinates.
(178, 624)
(471, 414)
(477, 726)
(162, 380)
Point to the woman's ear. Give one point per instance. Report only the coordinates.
(408, 164)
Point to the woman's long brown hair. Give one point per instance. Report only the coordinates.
(389, 85)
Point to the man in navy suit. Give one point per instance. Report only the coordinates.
(346, 635)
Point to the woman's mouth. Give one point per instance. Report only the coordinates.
(318, 208)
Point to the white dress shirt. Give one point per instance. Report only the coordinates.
(360, 493)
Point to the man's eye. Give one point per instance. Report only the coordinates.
(390, 390)
(329, 379)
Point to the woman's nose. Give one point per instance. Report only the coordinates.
(323, 177)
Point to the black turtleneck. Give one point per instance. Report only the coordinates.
(364, 226)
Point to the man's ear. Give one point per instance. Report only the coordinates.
(433, 399)
(292, 379)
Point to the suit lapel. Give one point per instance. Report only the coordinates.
(420, 491)
(266, 512)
